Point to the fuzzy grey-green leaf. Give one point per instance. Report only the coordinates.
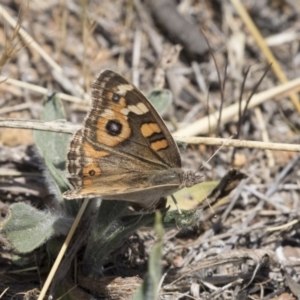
(149, 288)
(52, 147)
(160, 99)
(111, 227)
(27, 228)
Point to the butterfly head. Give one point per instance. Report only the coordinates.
(191, 178)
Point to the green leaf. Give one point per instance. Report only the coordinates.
(160, 99)
(27, 228)
(187, 218)
(149, 289)
(190, 198)
(52, 147)
(110, 229)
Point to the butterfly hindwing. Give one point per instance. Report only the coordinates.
(123, 140)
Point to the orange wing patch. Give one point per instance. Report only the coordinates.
(112, 125)
(89, 172)
(105, 127)
(92, 169)
(91, 152)
(159, 145)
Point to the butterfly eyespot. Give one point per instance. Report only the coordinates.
(116, 98)
(92, 173)
(113, 127)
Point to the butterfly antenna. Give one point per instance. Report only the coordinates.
(207, 201)
(206, 206)
(226, 141)
(176, 204)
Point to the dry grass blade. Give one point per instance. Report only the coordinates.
(29, 40)
(265, 135)
(202, 126)
(239, 143)
(234, 257)
(36, 47)
(3, 293)
(229, 248)
(63, 250)
(54, 126)
(265, 49)
(65, 127)
(60, 126)
(11, 47)
(39, 89)
(18, 107)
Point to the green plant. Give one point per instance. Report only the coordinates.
(27, 228)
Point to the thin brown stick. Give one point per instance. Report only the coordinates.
(18, 107)
(39, 89)
(67, 127)
(60, 126)
(240, 143)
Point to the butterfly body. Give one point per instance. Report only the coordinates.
(124, 150)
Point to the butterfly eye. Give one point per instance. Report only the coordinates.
(113, 127)
(92, 173)
(116, 98)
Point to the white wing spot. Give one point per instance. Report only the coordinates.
(123, 89)
(125, 111)
(108, 113)
(138, 109)
(143, 107)
(135, 109)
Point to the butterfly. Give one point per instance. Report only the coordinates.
(124, 150)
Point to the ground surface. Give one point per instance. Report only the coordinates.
(257, 228)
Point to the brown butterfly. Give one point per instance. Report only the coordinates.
(124, 150)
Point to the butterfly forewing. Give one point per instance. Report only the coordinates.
(123, 141)
(123, 119)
